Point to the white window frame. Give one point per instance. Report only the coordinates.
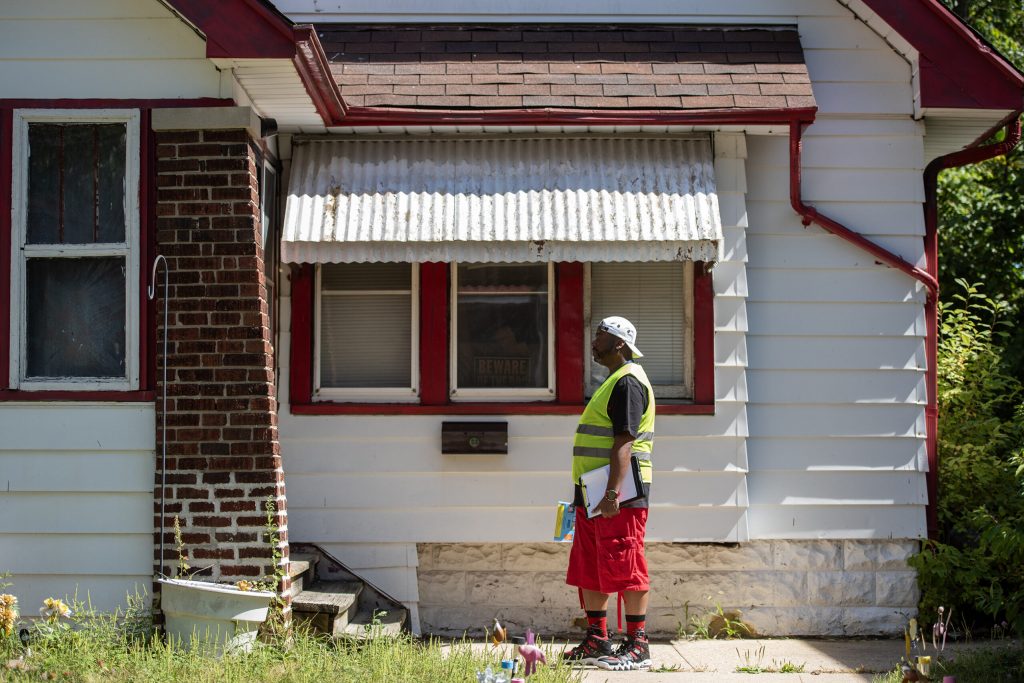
(410, 394)
(672, 392)
(498, 394)
(20, 252)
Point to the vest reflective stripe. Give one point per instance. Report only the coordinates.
(592, 445)
(605, 453)
(594, 430)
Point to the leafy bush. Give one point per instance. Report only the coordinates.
(977, 562)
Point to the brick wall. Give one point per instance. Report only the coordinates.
(223, 453)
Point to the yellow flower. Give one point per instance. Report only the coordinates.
(244, 586)
(8, 613)
(53, 609)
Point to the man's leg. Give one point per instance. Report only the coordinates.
(635, 601)
(592, 600)
(582, 562)
(636, 611)
(595, 604)
(596, 643)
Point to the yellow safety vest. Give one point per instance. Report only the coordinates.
(592, 446)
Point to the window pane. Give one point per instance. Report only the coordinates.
(366, 276)
(80, 185)
(365, 335)
(112, 149)
(365, 341)
(76, 317)
(652, 296)
(502, 326)
(85, 165)
(44, 144)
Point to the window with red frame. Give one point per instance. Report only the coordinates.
(492, 338)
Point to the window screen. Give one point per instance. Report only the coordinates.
(366, 332)
(658, 299)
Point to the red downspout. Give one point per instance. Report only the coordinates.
(971, 155)
(928, 277)
(811, 215)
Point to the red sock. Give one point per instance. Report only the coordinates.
(598, 621)
(635, 622)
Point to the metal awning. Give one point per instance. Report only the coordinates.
(502, 200)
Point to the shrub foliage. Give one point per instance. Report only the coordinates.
(976, 564)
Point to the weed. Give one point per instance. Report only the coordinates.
(715, 623)
(179, 546)
(753, 663)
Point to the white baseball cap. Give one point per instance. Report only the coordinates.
(623, 329)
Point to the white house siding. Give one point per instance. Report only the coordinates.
(76, 479)
(819, 359)
(102, 49)
(836, 342)
(76, 500)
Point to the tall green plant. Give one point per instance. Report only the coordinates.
(977, 563)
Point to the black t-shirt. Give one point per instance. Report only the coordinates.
(626, 407)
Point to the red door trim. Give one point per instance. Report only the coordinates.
(703, 336)
(300, 384)
(433, 349)
(569, 333)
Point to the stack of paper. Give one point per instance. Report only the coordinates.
(595, 483)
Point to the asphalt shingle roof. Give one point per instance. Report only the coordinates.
(566, 66)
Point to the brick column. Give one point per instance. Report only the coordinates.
(223, 453)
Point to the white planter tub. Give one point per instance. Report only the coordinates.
(216, 617)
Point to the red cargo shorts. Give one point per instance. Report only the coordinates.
(607, 555)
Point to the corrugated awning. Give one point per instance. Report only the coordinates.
(502, 200)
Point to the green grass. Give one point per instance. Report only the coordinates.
(997, 664)
(753, 663)
(96, 648)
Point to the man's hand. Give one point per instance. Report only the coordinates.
(608, 508)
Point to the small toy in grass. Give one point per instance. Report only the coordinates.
(531, 654)
(498, 633)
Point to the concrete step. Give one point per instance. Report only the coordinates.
(328, 605)
(378, 623)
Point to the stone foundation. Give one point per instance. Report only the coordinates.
(782, 588)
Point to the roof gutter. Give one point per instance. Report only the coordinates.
(374, 116)
(927, 276)
(971, 155)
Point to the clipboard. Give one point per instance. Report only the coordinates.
(595, 483)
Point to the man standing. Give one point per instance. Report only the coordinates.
(607, 554)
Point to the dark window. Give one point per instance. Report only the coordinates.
(76, 183)
(502, 338)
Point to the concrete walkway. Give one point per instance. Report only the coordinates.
(823, 661)
(716, 661)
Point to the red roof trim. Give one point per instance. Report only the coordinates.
(369, 116)
(958, 69)
(239, 28)
(314, 69)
